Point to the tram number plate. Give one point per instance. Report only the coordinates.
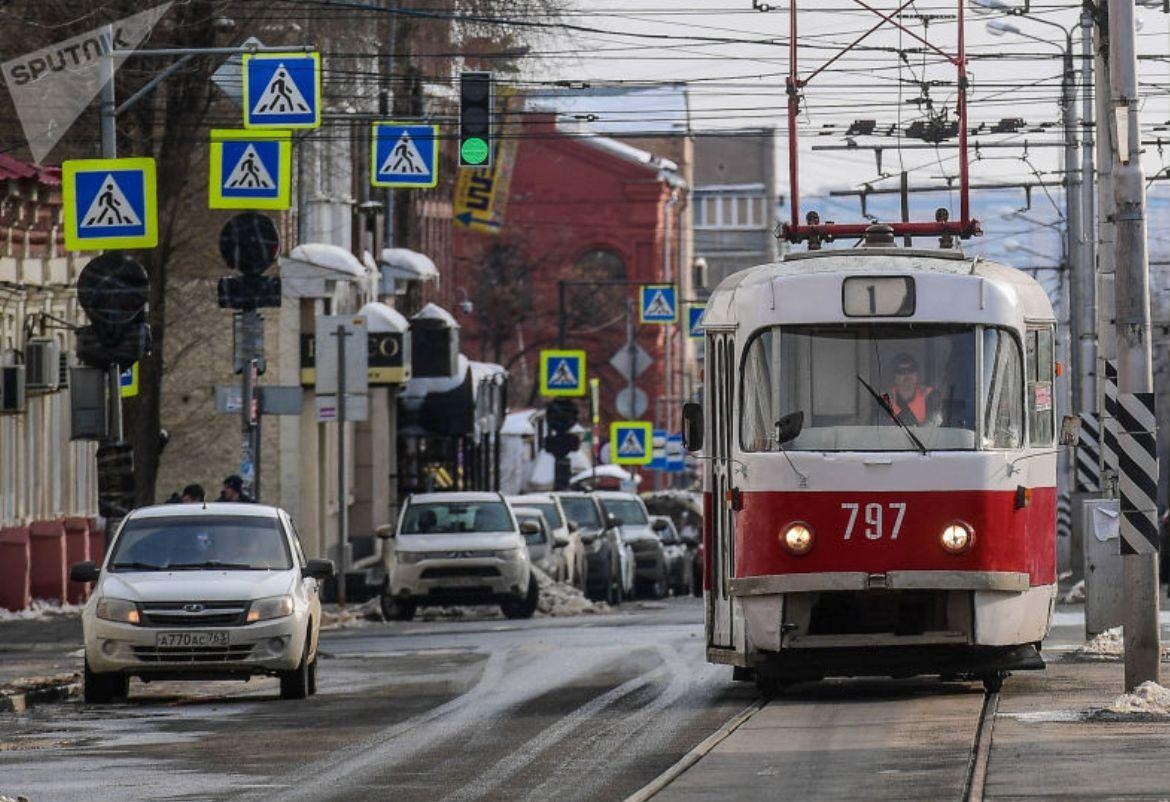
(874, 520)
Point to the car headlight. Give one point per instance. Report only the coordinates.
(509, 554)
(410, 557)
(797, 538)
(957, 537)
(267, 609)
(120, 610)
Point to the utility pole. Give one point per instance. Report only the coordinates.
(1086, 309)
(1135, 375)
(342, 490)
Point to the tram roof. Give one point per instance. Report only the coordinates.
(889, 260)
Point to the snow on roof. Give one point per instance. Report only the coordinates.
(433, 311)
(383, 318)
(419, 387)
(520, 423)
(481, 371)
(621, 149)
(330, 257)
(410, 265)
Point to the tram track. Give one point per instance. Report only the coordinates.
(981, 749)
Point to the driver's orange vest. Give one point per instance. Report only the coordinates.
(917, 405)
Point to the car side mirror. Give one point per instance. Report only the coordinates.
(84, 572)
(612, 521)
(574, 527)
(692, 426)
(529, 528)
(386, 531)
(1070, 430)
(318, 569)
(659, 526)
(788, 427)
(559, 539)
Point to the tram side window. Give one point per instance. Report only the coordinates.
(758, 395)
(1003, 413)
(1040, 409)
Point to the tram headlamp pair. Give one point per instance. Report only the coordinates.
(957, 537)
(797, 538)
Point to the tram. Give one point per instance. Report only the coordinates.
(879, 466)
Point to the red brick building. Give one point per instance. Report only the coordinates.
(584, 209)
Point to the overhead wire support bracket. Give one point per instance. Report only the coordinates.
(798, 231)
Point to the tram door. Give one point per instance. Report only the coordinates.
(721, 394)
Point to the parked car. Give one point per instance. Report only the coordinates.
(195, 591)
(457, 548)
(566, 538)
(603, 545)
(679, 563)
(685, 509)
(539, 540)
(649, 559)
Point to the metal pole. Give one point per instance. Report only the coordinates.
(560, 314)
(1087, 309)
(907, 240)
(632, 349)
(342, 490)
(1077, 275)
(1142, 646)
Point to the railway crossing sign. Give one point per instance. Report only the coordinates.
(659, 303)
(404, 155)
(631, 442)
(694, 315)
(109, 204)
(250, 170)
(282, 90)
(562, 373)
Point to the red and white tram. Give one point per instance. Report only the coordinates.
(879, 466)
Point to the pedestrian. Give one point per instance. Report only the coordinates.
(233, 490)
(193, 494)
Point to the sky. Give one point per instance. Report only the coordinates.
(734, 61)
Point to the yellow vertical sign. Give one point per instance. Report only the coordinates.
(481, 193)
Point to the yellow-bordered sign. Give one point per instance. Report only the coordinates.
(128, 381)
(631, 442)
(250, 169)
(562, 372)
(109, 204)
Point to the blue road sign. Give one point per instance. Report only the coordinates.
(405, 155)
(658, 450)
(659, 303)
(250, 169)
(630, 442)
(282, 90)
(109, 203)
(676, 461)
(562, 372)
(694, 315)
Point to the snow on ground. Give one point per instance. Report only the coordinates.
(40, 609)
(1075, 594)
(1109, 643)
(10, 799)
(1149, 697)
(356, 615)
(558, 598)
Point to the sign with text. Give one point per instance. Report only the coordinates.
(388, 358)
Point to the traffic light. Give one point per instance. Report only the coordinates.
(475, 119)
(113, 289)
(249, 243)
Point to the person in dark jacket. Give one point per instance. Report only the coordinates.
(913, 403)
(233, 490)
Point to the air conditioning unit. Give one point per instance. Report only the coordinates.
(11, 388)
(42, 362)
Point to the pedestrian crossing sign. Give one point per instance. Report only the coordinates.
(250, 170)
(282, 90)
(631, 442)
(694, 316)
(659, 303)
(562, 373)
(404, 155)
(109, 204)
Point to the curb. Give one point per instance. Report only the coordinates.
(692, 757)
(20, 701)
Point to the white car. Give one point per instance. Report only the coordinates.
(202, 591)
(565, 534)
(457, 548)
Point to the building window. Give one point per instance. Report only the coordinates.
(730, 211)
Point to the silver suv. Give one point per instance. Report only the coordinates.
(457, 548)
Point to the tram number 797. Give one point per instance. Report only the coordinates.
(876, 518)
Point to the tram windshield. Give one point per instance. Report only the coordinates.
(865, 387)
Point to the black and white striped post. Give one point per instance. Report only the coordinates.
(1137, 481)
(1088, 473)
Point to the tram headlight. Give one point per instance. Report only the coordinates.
(957, 537)
(797, 538)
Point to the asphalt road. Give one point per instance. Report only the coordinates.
(582, 708)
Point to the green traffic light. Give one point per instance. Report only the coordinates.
(474, 151)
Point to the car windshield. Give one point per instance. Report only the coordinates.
(550, 513)
(193, 542)
(581, 510)
(449, 518)
(628, 510)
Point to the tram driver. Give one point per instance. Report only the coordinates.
(911, 401)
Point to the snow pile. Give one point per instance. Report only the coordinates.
(40, 609)
(10, 799)
(559, 599)
(354, 616)
(1109, 643)
(1075, 594)
(1149, 697)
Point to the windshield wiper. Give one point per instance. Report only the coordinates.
(138, 566)
(211, 564)
(885, 405)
